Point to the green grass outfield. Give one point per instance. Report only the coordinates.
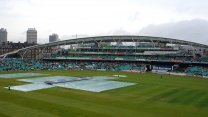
(153, 96)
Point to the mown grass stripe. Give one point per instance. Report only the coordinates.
(11, 109)
(149, 98)
(179, 96)
(91, 106)
(194, 97)
(3, 115)
(54, 108)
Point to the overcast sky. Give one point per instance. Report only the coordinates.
(182, 19)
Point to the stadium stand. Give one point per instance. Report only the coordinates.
(111, 53)
(197, 70)
(19, 64)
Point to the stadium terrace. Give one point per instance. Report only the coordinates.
(112, 53)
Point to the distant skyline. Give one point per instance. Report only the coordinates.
(181, 19)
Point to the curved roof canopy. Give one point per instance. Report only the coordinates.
(118, 39)
(121, 38)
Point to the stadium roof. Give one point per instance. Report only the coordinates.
(125, 38)
(119, 38)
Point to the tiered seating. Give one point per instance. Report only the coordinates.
(124, 67)
(203, 59)
(185, 53)
(139, 67)
(19, 64)
(13, 64)
(125, 57)
(115, 54)
(196, 70)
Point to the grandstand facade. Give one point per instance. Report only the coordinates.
(142, 53)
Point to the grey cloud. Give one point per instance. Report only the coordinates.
(192, 7)
(8, 8)
(119, 32)
(134, 17)
(193, 30)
